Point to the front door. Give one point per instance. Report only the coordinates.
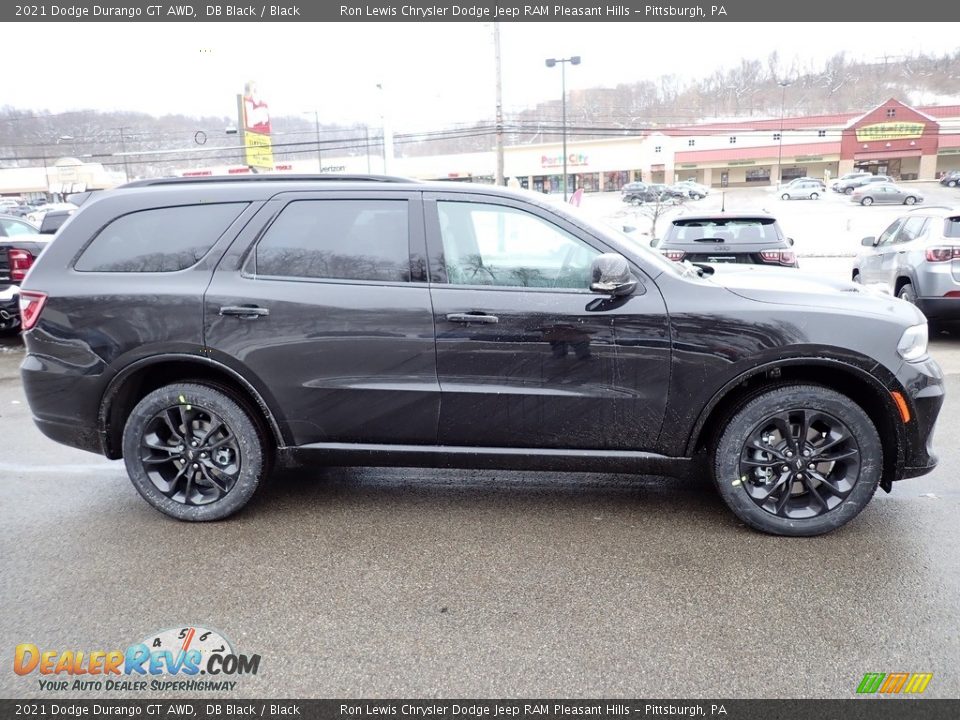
(871, 268)
(527, 355)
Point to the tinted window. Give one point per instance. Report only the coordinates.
(160, 240)
(733, 230)
(496, 245)
(912, 229)
(951, 227)
(888, 234)
(337, 240)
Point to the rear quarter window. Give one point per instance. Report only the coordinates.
(740, 230)
(158, 240)
(951, 227)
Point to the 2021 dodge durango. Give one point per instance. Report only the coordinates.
(205, 330)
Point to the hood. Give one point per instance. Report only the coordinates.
(786, 286)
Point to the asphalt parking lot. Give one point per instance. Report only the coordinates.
(411, 583)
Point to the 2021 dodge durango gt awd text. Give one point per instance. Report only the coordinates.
(206, 330)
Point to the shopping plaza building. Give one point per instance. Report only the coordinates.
(908, 143)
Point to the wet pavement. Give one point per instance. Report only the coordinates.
(412, 583)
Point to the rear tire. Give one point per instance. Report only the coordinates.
(785, 196)
(814, 196)
(800, 460)
(867, 201)
(952, 183)
(193, 452)
(848, 191)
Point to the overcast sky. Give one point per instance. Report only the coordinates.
(435, 73)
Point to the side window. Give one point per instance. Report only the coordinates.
(337, 240)
(12, 228)
(887, 235)
(160, 240)
(502, 246)
(912, 229)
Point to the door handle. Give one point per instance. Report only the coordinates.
(244, 312)
(473, 318)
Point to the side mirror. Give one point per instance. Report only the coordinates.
(790, 240)
(628, 228)
(869, 241)
(654, 242)
(611, 275)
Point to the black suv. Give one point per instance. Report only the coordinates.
(205, 329)
(754, 238)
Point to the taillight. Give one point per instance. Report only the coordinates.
(942, 254)
(31, 305)
(20, 262)
(780, 257)
(676, 255)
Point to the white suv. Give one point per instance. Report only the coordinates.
(917, 259)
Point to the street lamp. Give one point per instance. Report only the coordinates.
(316, 120)
(551, 62)
(783, 98)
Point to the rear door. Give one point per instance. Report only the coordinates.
(323, 304)
(527, 355)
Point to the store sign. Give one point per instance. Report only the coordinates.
(741, 162)
(890, 131)
(255, 118)
(809, 158)
(552, 161)
(688, 166)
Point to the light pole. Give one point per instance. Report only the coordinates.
(551, 62)
(783, 98)
(316, 124)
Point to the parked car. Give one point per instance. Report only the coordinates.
(835, 186)
(635, 192)
(203, 330)
(914, 259)
(951, 178)
(885, 194)
(798, 180)
(850, 186)
(20, 244)
(727, 238)
(668, 192)
(804, 190)
(695, 190)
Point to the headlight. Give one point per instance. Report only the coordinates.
(913, 343)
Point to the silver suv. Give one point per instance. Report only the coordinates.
(917, 259)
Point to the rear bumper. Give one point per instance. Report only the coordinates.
(940, 308)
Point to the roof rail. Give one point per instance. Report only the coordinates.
(265, 177)
(948, 208)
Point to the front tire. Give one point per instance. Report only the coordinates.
(910, 200)
(785, 196)
(799, 460)
(866, 201)
(814, 196)
(907, 293)
(193, 452)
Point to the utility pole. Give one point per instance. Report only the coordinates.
(783, 99)
(123, 151)
(499, 115)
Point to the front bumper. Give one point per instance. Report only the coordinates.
(923, 383)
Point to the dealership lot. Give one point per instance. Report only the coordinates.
(391, 582)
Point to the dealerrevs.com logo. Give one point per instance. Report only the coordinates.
(186, 653)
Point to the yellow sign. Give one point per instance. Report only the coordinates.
(890, 131)
(258, 150)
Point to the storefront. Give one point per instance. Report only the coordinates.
(892, 139)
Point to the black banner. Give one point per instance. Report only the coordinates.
(853, 709)
(483, 11)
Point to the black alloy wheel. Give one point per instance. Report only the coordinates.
(798, 460)
(194, 452)
(799, 463)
